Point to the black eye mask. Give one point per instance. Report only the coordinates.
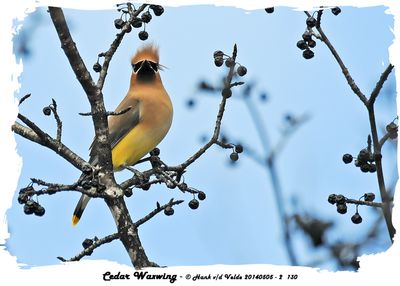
(138, 65)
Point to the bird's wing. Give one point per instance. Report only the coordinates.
(120, 125)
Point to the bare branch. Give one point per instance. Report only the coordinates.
(99, 117)
(47, 141)
(217, 128)
(53, 188)
(26, 96)
(156, 211)
(58, 120)
(88, 251)
(364, 203)
(115, 44)
(354, 87)
(108, 113)
(379, 84)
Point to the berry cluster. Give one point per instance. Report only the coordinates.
(341, 205)
(365, 160)
(193, 204)
(235, 153)
(30, 206)
(136, 22)
(219, 59)
(307, 42)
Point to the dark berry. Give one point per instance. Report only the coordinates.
(183, 187)
(146, 186)
(238, 148)
(263, 96)
(218, 61)
(39, 210)
(364, 168)
(87, 243)
(29, 207)
(336, 11)
(194, 204)
(23, 198)
(391, 127)
(356, 218)
(372, 168)
(307, 36)
(157, 9)
(302, 45)
(311, 43)
(97, 67)
(128, 192)
(311, 21)
(234, 156)
(201, 195)
(340, 199)
(241, 70)
(332, 199)
(308, 54)
(364, 155)
(341, 208)
(128, 29)
(47, 111)
(357, 163)
(229, 62)
(369, 197)
(168, 211)
(155, 152)
(143, 35)
(347, 158)
(146, 17)
(119, 23)
(136, 23)
(226, 92)
(218, 54)
(269, 10)
(190, 103)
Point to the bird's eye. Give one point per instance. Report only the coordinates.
(154, 66)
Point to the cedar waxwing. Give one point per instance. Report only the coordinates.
(136, 132)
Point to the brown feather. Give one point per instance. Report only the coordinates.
(148, 52)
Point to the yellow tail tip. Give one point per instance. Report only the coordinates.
(75, 220)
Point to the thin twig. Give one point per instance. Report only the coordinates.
(53, 108)
(217, 128)
(115, 44)
(53, 188)
(108, 113)
(354, 87)
(26, 96)
(387, 205)
(379, 84)
(88, 251)
(364, 203)
(156, 211)
(47, 141)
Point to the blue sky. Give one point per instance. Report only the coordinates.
(237, 223)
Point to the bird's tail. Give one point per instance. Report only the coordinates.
(80, 207)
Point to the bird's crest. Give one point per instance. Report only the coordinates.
(148, 52)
